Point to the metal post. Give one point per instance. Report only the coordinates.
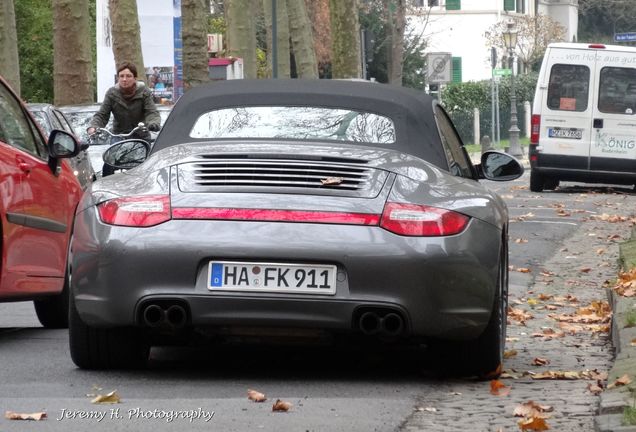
(274, 41)
(515, 148)
(498, 128)
(492, 108)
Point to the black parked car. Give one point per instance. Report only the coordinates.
(49, 117)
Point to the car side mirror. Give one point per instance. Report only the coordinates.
(127, 154)
(62, 144)
(499, 166)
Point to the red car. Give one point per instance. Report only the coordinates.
(38, 197)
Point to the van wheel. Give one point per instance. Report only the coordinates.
(551, 184)
(537, 182)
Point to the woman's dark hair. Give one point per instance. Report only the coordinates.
(127, 65)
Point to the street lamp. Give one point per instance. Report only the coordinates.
(510, 40)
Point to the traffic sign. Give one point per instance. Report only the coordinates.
(625, 37)
(439, 67)
(501, 72)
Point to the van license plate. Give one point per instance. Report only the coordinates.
(568, 133)
(272, 277)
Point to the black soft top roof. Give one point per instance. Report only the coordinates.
(411, 110)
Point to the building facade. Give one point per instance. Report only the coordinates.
(458, 27)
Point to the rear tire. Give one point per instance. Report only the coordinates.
(105, 348)
(537, 182)
(52, 312)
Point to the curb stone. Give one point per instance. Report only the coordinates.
(614, 401)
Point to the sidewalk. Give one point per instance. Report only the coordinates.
(616, 400)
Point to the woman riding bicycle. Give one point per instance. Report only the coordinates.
(131, 103)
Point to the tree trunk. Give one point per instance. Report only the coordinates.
(194, 18)
(241, 34)
(345, 29)
(73, 60)
(282, 37)
(302, 39)
(396, 20)
(126, 34)
(10, 65)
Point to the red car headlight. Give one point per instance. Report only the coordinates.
(137, 211)
(423, 221)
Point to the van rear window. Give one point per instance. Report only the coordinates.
(569, 87)
(617, 90)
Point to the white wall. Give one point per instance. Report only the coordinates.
(157, 39)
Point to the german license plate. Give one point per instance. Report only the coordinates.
(568, 133)
(272, 277)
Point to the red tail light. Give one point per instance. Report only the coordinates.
(138, 211)
(424, 221)
(274, 215)
(535, 129)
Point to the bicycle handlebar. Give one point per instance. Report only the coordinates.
(140, 127)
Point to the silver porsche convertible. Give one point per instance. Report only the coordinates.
(294, 207)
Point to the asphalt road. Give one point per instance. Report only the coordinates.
(346, 389)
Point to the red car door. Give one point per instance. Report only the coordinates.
(38, 203)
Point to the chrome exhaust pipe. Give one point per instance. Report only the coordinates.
(176, 315)
(370, 323)
(392, 324)
(154, 315)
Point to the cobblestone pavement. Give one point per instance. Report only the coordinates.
(573, 278)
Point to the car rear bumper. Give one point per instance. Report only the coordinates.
(439, 286)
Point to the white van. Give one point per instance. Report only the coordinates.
(584, 116)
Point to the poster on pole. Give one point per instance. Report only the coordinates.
(439, 68)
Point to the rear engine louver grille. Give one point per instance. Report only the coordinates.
(278, 174)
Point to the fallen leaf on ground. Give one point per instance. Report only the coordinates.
(538, 361)
(622, 381)
(549, 334)
(109, 398)
(533, 424)
(521, 240)
(570, 375)
(532, 409)
(610, 218)
(523, 270)
(256, 396)
(585, 270)
(509, 354)
(595, 388)
(37, 416)
(280, 405)
(498, 388)
(633, 342)
(519, 315)
(523, 217)
(427, 409)
(626, 284)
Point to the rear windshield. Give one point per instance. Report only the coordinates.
(617, 90)
(569, 87)
(294, 122)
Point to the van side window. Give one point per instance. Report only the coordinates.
(617, 90)
(569, 87)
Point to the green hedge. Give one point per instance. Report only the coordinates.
(462, 98)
